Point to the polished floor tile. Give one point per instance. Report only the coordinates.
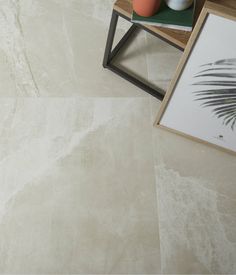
(162, 61)
(197, 206)
(55, 48)
(87, 184)
(73, 201)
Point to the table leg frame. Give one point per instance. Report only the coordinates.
(110, 54)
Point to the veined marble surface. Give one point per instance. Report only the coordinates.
(87, 185)
(71, 200)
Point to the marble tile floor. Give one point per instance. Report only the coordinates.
(87, 184)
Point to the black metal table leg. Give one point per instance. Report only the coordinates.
(110, 38)
(159, 94)
(123, 41)
(110, 55)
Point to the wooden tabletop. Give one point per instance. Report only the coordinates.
(179, 38)
(225, 3)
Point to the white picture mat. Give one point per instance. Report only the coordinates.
(217, 41)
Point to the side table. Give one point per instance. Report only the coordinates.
(176, 38)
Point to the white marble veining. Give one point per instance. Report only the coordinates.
(197, 206)
(87, 184)
(55, 48)
(71, 199)
(15, 60)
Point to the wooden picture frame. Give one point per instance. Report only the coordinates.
(173, 102)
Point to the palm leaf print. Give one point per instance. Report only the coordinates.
(217, 89)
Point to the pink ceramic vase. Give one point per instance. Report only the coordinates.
(146, 8)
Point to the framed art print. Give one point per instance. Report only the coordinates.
(201, 100)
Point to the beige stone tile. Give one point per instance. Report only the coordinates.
(197, 206)
(55, 48)
(162, 61)
(77, 178)
(77, 187)
(155, 105)
(132, 59)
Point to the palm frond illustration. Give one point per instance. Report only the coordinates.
(218, 89)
